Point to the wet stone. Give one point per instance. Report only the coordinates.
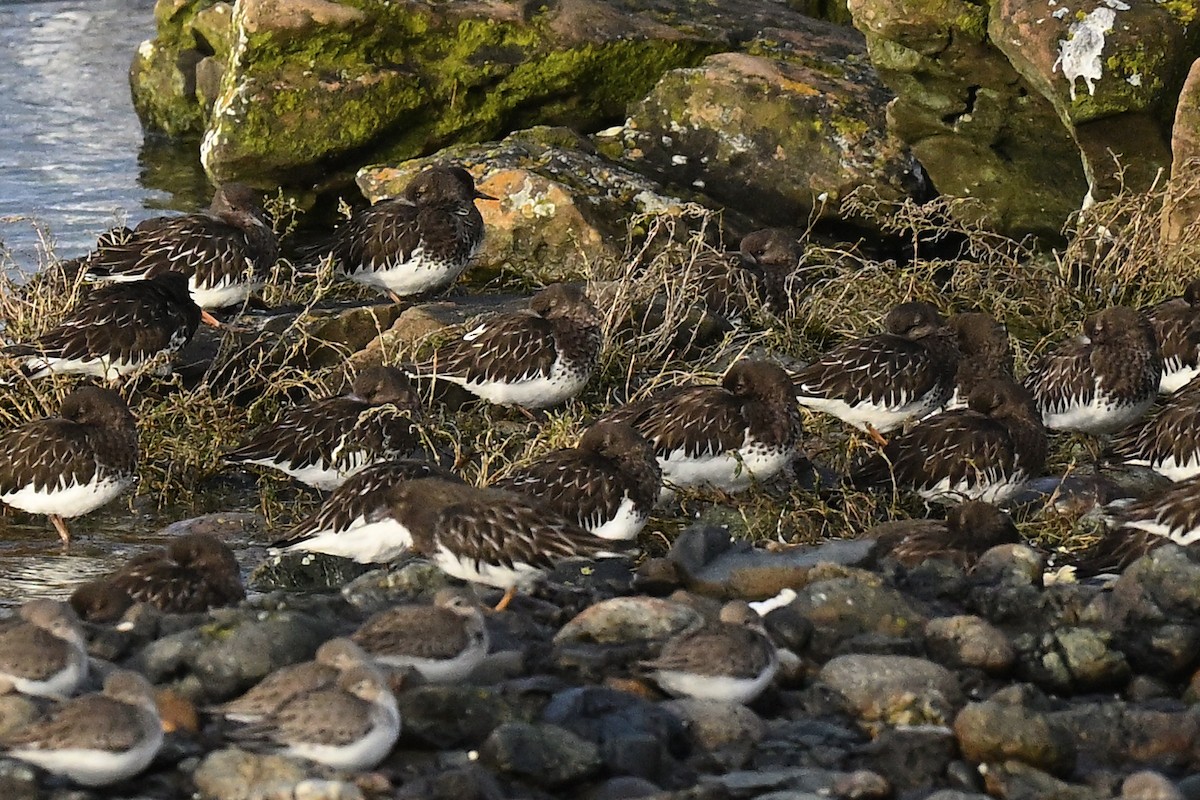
(993, 732)
(896, 690)
(545, 755)
(234, 774)
(455, 716)
(969, 641)
(1149, 786)
(911, 758)
(727, 732)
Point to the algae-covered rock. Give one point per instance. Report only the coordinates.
(782, 132)
(562, 209)
(318, 84)
(977, 127)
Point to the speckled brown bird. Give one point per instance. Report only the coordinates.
(1176, 324)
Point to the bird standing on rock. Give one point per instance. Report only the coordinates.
(1104, 380)
(728, 436)
(97, 739)
(490, 536)
(225, 252)
(878, 383)
(417, 243)
(731, 660)
(115, 331)
(72, 464)
(535, 358)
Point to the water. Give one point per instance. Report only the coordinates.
(72, 164)
(72, 158)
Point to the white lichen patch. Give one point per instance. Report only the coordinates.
(532, 202)
(1079, 54)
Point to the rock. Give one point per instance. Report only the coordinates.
(1116, 732)
(1108, 71)
(782, 132)
(299, 71)
(379, 588)
(955, 794)
(1149, 786)
(800, 781)
(895, 690)
(445, 717)
(545, 755)
(635, 736)
(912, 758)
(992, 732)
(163, 74)
(232, 653)
(18, 781)
(1071, 660)
(234, 774)
(728, 732)
(302, 571)
(1183, 206)
(625, 619)
(969, 641)
(1011, 564)
(623, 787)
(842, 603)
(1019, 781)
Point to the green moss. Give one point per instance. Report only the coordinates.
(1184, 11)
(972, 21)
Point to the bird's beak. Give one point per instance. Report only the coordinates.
(481, 196)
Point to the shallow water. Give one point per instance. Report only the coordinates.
(72, 162)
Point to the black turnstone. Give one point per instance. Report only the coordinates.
(97, 739)
(490, 536)
(414, 244)
(607, 484)
(355, 521)
(1103, 381)
(444, 642)
(193, 573)
(986, 451)
(1176, 323)
(42, 650)
(71, 464)
(728, 436)
(225, 252)
(772, 255)
(322, 443)
(1167, 441)
(351, 725)
(970, 529)
(115, 330)
(731, 659)
(533, 359)
(1137, 527)
(985, 351)
(878, 383)
(266, 697)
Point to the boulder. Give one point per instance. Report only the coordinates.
(1183, 206)
(782, 132)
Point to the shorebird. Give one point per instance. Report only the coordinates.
(1176, 324)
(728, 436)
(350, 725)
(985, 351)
(263, 699)
(116, 331)
(490, 536)
(195, 572)
(731, 660)
(324, 442)
(878, 383)
(444, 642)
(1168, 441)
(42, 651)
(607, 484)
(417, 243)
(355, 521)
(986, 451)
(97, 739)
(71, 464)
(1103, 381)
(536, 358)
(224, 252)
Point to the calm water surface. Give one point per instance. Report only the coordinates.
(72, 164)
(73, 158)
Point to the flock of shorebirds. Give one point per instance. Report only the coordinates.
(937, 395)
